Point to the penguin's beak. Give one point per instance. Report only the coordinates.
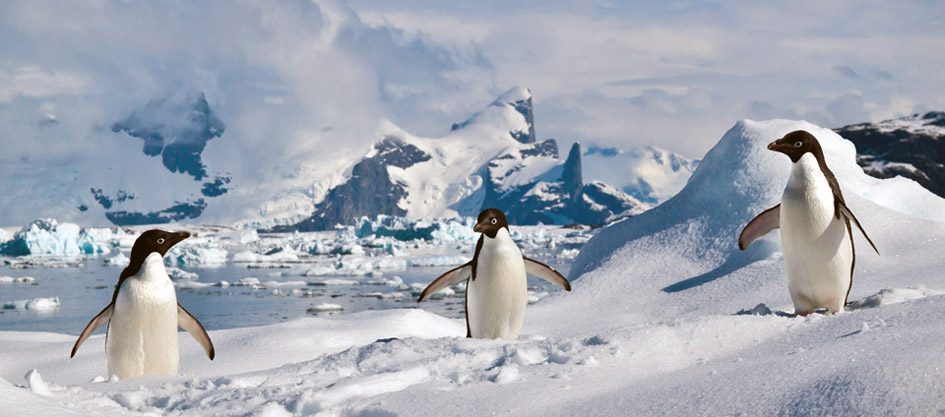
(777, 146)
(175, 238)
(478, 228)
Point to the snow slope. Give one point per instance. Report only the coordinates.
(649, 174)
(666, 316)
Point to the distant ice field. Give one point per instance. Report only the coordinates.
(243, 294)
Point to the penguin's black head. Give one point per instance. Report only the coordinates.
(796, 144)
(156, 240)
(490, 221)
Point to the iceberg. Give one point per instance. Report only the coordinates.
(196, 255)
(48, 237)
(405, 229)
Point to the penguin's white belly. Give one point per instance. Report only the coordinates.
(818, 253)
(142, 333)
(496, 299)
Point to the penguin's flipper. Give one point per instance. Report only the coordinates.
(765, 222)
(452, 277)
(98, 321)
(545, 272)
(849, 214)
(188, 322)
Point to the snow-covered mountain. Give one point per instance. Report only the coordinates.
(177, 129)
(174, 159)
(490, 160)
(910, 146)
(650, 174)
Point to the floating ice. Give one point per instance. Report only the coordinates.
(196, 255)
(323, 307)
(391, 264)
(348, 249)
(22, 280)
(405, 229)
(193, 284)
(334, 281)
(320, 270)
(283, 254)
(246, 282)
(246, 256)
(180, 274)
(50, 303)
(438, 260)
(118, 260)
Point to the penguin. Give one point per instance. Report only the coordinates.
(816, 231)
(143, 316)
(496, 286)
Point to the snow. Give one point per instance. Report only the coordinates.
(450, 183)
(666, 316)
(882, 166)
(916, 123)
(651, 174)
(36, 383)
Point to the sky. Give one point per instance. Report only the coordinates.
(677, 74)
(674, 74)
(299, 83)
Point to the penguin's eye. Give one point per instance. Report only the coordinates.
(160, 241)
(494, 221)
(798, 144)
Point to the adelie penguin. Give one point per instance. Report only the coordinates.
(816, 231)
(144, 314)
(496, 289)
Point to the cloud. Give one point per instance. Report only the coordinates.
(795, 58)
(296, 83)
(846, 71)
(299, 84)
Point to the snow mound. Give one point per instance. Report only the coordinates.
(740, 178)
(889, 296)
(36, 383)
